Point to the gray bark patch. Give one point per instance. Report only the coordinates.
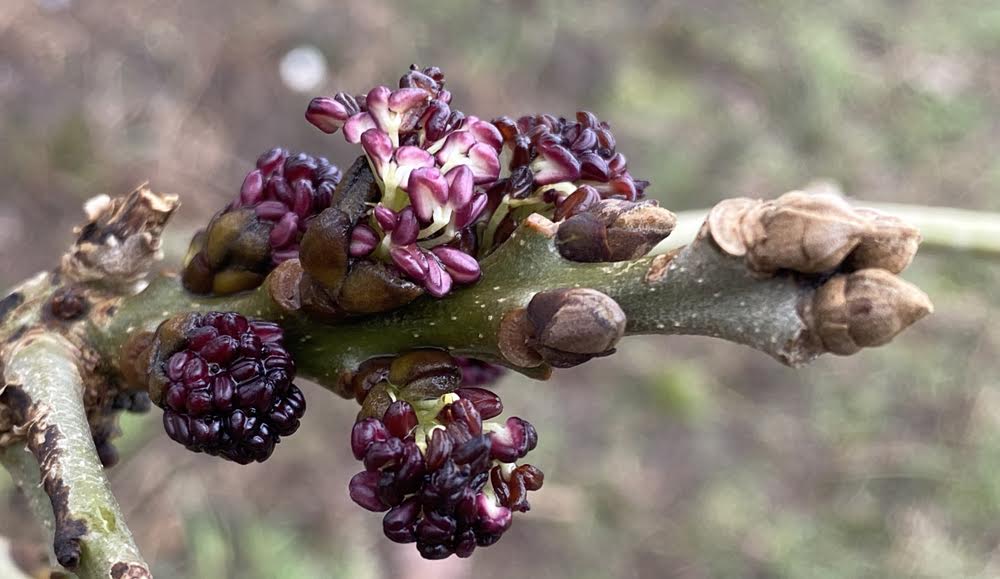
(9, 303)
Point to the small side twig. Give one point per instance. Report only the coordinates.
(45, 387)
(943, 229)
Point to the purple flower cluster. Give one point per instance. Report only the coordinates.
(447, 480)
(287, 190)
(432, 164)
(564, 155)
(453, 187)
(229, 390)
(557, 167)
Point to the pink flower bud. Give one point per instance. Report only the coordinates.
(326, 114)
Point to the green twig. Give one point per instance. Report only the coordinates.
(944, 229)
(90, 535)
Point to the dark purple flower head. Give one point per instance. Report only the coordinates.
(263, 226)
(565, 154)
(287, 191)
(435, 471)
(229, 390)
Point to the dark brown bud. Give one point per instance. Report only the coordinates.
(232, 255)
(370, 373)
(356, 190)
(571, 326)
(864, 309)
(169, 338)
(316, 302)
(134, 359)
(376, 402)
(197, 275)
(325, 248)
(425, 374)
(514, 337)
(614, 230)
(324, 252)
(237, 236)
(283, 285)
(372, 287)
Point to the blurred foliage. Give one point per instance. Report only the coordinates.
(678, 457)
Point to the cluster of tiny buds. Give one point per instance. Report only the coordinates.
(264, 225)
(448, 481)
(431, 164)
(229, 389)
(287, 190)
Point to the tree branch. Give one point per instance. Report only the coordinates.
(699, 290)
(44, 385)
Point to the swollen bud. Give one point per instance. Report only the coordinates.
(614, 230)
(263, 226)
(570, 326)
(864, 309)
(890, 243)
(810, 233)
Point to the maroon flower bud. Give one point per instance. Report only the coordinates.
(514, 440)
(364, 491)
(462, 267)
(328, 114)
(400, 523)
(383, 453)
(364, 240)
(400, 419)
(493, 519)
(229, 391)
(436, 496)
(487, 403)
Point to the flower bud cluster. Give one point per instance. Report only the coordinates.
(447, 481)
(557, 167)
(225, 385)
(431, 163)
(264, 225)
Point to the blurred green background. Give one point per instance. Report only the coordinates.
(680, 457)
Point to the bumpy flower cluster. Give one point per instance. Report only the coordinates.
(432, 164)
(557, 167)
(447, 479)
(229, 389)
(288, 190)
(264, 225)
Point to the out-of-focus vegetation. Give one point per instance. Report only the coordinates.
(684, 458)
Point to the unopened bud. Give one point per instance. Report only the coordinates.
(864, 309)
(890, 243)
(811, 233)
(325, 249)
(614, 230)
(372, 287)
(571, 326)
(425, 374)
